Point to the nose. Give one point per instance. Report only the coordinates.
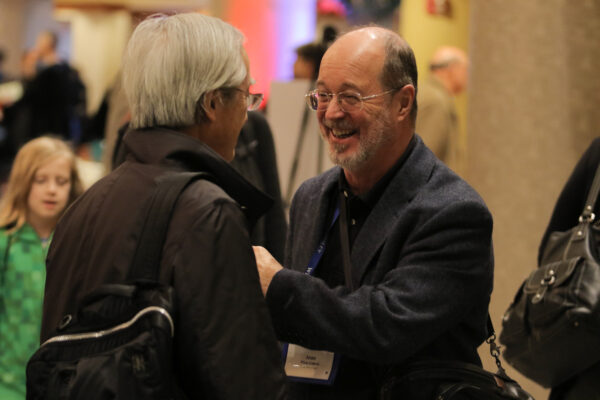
(334, 110)
(51, 186)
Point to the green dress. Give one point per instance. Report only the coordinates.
(22, 280)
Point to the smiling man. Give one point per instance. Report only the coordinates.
(418, 277)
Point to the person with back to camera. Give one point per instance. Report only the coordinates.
(43, 182)
(187, 82)
(420, 238)
(565, 216)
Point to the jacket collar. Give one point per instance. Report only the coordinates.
(180, 151)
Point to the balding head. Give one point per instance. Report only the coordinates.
(450, 66)
(389, 57)
(364, 100)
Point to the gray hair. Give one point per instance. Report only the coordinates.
(171, 62)
(399, 67)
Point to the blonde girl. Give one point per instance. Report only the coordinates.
(42, 183)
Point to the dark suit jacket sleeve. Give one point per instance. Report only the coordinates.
(226, 344)
(437, 267)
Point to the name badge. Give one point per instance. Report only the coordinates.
(309, 366)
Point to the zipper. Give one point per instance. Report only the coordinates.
(114, 329)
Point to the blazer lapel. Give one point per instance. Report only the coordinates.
(384, 217)
(316, 219)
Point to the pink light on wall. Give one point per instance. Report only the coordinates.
(273, 29)
(257, 21)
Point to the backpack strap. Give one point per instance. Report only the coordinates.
(147, 257)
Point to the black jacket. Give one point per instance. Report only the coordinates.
(225, 347)
(255, 160)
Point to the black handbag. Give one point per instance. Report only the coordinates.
(551, 330)
(439, 379)
(452, 380)
(119, 344)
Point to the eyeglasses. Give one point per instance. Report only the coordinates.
(253, 100)
(348, 101)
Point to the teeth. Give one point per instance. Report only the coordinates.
(341, 134)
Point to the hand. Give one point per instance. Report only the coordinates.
(267, 267)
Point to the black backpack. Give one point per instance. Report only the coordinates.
(119, 344)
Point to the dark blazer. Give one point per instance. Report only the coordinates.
(423, 262)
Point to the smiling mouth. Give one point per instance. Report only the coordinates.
(342, 134)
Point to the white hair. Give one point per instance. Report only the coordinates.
(171, 62)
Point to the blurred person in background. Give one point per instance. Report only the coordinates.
(54, 97)
(309, 55)
(437, 121)
(43, 182)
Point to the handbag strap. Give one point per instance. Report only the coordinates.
(147, 257)
(587, 215)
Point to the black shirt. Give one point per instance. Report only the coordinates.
(331, 267)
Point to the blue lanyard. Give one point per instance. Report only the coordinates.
(316, 257)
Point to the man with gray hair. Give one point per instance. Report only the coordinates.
(187, 82)
(389, 254)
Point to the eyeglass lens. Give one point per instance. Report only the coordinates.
(254, 100)
(347, 101)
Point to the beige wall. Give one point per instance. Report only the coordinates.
(98, 40)
(533, 101)
(425, 33)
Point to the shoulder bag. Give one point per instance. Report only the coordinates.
(551, 330)
(119, 344)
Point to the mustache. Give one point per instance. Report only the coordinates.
(338, 125)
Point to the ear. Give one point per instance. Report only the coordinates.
(406, 98)
(209, 105)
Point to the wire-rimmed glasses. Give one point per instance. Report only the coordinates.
(253, 100)
(349, 101)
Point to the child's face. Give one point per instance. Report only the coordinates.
(49, 193)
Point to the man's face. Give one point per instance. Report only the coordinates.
(232, 117)
(355, 138)
(461, 73)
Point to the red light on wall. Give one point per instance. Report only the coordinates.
(439, 7)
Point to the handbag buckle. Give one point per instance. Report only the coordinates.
(548, 280)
